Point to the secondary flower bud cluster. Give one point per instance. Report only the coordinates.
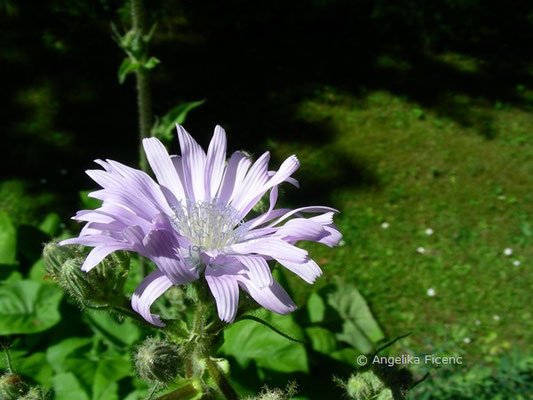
(158, 361)
(100, 287)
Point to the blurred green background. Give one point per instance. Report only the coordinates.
(413, 118)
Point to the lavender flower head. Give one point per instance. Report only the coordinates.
(191, 224)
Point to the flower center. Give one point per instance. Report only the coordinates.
(210, 225)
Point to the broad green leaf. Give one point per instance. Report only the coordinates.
(347, 355)
(28, 307)
(50, 224)
(123, 333)
(87, 202)
(58, 353)
(33, 366)
(37, 270)
(249, 340)
(99, 377)
(68, 387)
(322, 339)
(315, 308)
(164, 129)
(108, 373)
(359, 328)
(8, 240)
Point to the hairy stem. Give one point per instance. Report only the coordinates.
(144, 101)
(183, 393)
(8, 360)
(220, 379)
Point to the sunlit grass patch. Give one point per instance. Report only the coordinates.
(419, 171)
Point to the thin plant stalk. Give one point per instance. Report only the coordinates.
(144, 100)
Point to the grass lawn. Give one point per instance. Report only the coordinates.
(396, 170)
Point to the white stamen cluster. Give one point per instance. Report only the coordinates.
(210, 225)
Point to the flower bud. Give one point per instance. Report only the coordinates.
(98, 287)
(364, 385)
(158, 361)
(55, 256)
(34, 393)
(12, 387)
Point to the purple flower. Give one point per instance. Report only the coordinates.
(191, 224)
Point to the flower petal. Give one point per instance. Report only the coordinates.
(234, 174)
(273, 247)
(99, 253)
(149, 290)
(162, 248)
(308, 271)
(257, 269)
(332, 237)
(301, 229)
(273, 298)
(216, 159)
(249, 191)
(225, 290)
(144, 183)
(162, 166)
(193, 159)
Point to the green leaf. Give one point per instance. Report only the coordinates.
(37, 270)
(152, 63)
(87, 202)
(100, 377)
(123, 333)
(164, 129)
(108, 373)
(126, 67)
(33, 366)
(8, 240)
(58, 353)
(50, 224)
(315, 308)
(322, 339)
(359, 328)
(248, 340)
(28, 307)
(68, 387)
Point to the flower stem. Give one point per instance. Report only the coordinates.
(220, 379)
(8, 360)
(144, 100)
(183, 393)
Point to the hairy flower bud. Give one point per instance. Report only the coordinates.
(34, 393)
(364, 385)
(55, 256)
(158, 361)
(12, 387)
(99, 287)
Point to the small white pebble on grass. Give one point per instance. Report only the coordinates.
(508, 251)
(385, 225)
(467, 340)
(516, 263)
(431, 292)
(477, 322)
(496, 317)
(420, 250)
(429, 231)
